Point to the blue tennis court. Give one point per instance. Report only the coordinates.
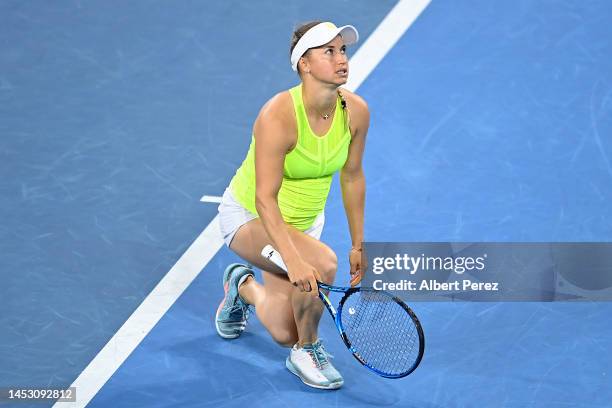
(490, 121)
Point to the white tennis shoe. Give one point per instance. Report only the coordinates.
(312, 365)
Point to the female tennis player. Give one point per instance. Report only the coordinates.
(301, 137)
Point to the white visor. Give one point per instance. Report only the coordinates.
(322, 34)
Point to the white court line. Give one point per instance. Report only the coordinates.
(210, 199)
(204, 248)
(146, 316)
(386, 35)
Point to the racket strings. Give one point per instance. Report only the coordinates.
(381, 332)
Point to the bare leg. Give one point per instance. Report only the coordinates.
(270, 301)
(289, 315)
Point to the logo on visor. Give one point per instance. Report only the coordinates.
(331, 25)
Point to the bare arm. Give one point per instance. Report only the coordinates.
(273, 139)
(352, 182)
(271, 146)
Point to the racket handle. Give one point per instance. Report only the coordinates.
(273, 256)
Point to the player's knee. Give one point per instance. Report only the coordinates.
(284, 337)
(329, 266)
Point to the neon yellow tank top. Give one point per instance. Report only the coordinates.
(308, 168)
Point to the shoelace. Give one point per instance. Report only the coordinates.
(319, 355)
(240, 307)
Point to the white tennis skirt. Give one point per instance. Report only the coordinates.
(232, 216)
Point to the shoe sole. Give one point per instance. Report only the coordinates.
(330, 386)
(219, 332)
(225, 278)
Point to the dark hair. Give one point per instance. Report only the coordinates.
(299, 33)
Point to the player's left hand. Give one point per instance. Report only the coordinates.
(356, 266)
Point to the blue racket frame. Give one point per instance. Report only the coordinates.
(338, 322)
(273, 256)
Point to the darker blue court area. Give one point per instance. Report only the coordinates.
(491, 121)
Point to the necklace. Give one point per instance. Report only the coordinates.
(325, 116)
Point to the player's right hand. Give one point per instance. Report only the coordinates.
(304, 276)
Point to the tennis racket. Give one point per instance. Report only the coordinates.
(381, 331)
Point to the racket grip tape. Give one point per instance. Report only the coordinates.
(273, 256)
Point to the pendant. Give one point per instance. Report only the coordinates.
(325, 117)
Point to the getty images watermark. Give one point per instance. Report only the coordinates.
(490, 271)
(421, 263)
